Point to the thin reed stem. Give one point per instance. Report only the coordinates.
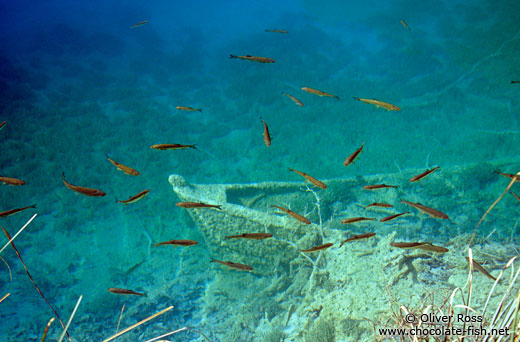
(5, 296)
(31, 278)
(119, 319)
(175, 332)
(47, 329)
(70, 318)
(15, 235)
(513, 180)
(124, 331)
(9, 268)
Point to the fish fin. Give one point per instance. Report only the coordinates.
(249, 56)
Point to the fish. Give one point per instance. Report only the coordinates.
(121, 167)
(254, 58)
(235, 265)
(405, 25)
(422, 175)
(11, 181)
(189, 205)
(516, 196)
(426, 246)
(15, 211)
(267, 136)
(81, 189)
(509, 175)
(186, 243)
(480, 268)
(319, 92)
(277, 31)
(310, 179)
(350, 159)
(297, 216)
(251, 236)
(391, 217)
(357, 219)
(427, 210)
(139, 24)
(358, 237)
(3, 124)
(135, 198)
(381, 205)
(378, 186)
(171, 146)
(119, 291)
(432, 248)
(189, 109)
(298, 102)
(317, 248)
(512, 82)
(406, 244)
(378, 104)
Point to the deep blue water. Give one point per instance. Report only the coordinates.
(77, 83)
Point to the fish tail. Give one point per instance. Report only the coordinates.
(213, 260)
(219, 207)
(336, 97)
(194, 147)
(232, 56)
(33, 206)
(356, 98)
(63, 175)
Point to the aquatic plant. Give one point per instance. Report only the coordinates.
(503, 319)
(322, 330)
(273, 336)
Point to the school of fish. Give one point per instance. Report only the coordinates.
(297, 218)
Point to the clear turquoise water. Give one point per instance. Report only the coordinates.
(77, 83)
